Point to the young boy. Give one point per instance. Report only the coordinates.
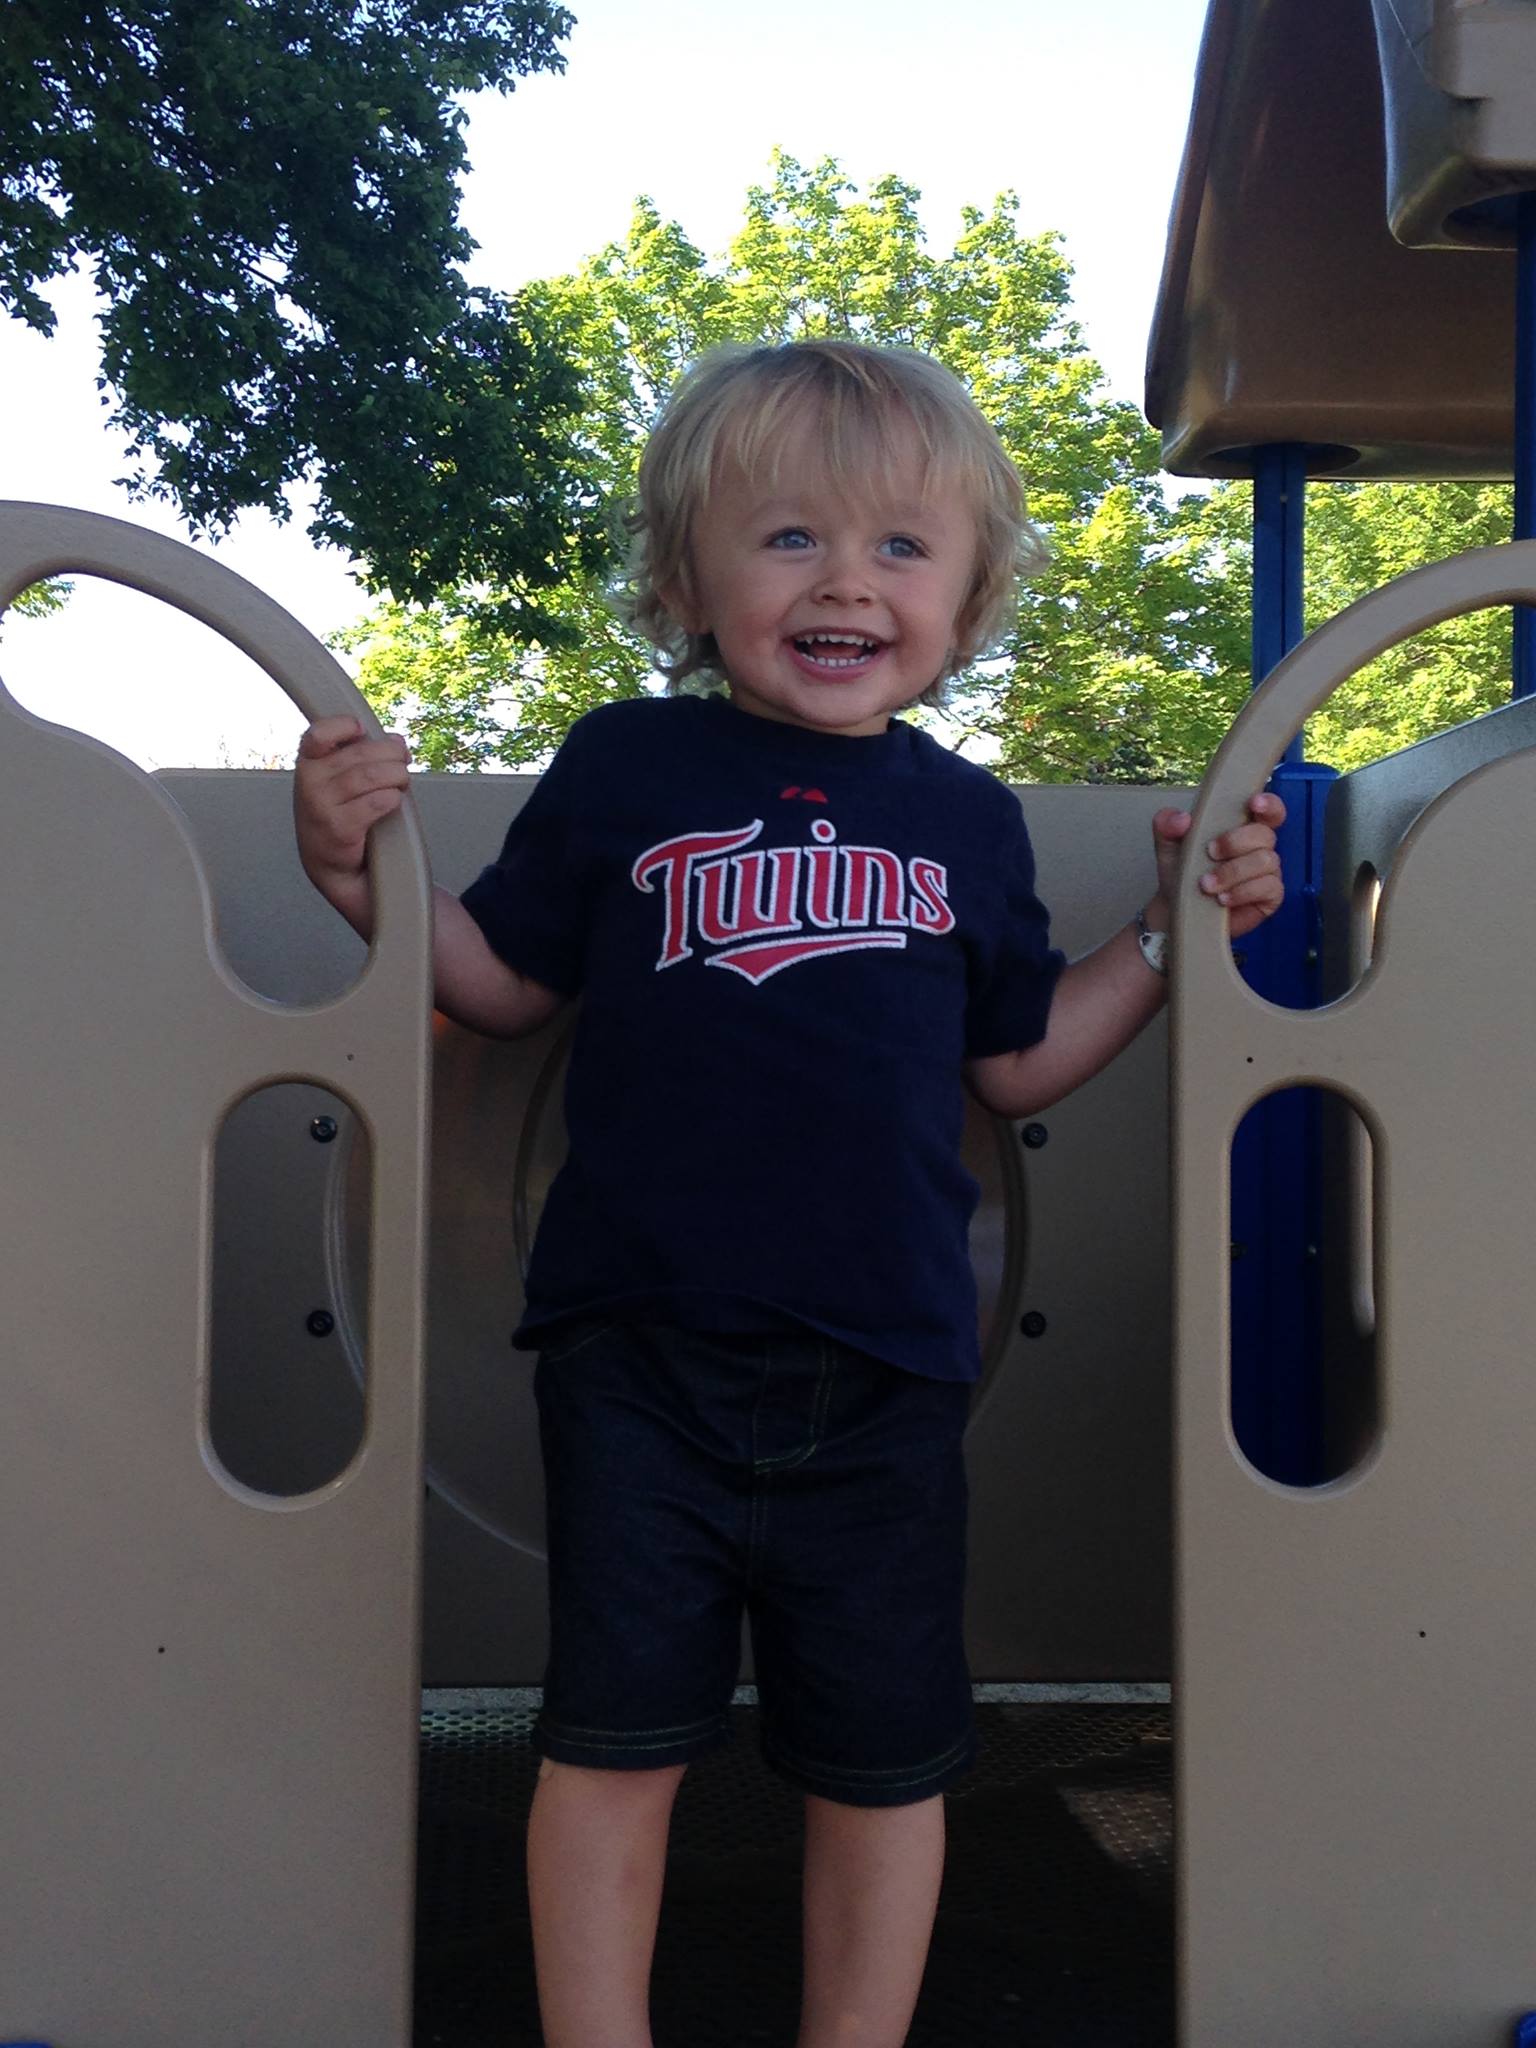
(799, 930)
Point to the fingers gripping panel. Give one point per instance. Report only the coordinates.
(210, 1695)
(1358, 1823)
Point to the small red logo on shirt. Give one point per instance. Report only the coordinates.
(760, 912)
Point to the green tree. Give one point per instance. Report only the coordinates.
(266, 194)
(41, 599)
(1362, 535)
(1129, 656)
(1359, 536)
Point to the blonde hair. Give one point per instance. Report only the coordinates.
(736, 404)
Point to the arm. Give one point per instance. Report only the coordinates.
(1104, 999)
(343, 784)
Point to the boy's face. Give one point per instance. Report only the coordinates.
(829, 613)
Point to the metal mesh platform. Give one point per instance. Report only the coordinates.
(1055, 1927)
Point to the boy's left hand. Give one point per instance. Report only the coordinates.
(1243, 871)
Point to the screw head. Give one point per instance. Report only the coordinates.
(323, 1128)
(1033, 1324)
(1034, 1136)
(320, 1322)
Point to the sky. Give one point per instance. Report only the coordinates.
(1079, 108)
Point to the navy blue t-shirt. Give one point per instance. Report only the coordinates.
(786, 944)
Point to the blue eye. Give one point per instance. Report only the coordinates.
(903, 546)
(791, 537)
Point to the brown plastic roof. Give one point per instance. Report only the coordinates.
(1325, 138)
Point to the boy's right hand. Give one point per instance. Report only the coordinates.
(343, 783)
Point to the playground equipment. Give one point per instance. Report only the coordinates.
(210, 1701)
(1339, 300)
(212, 1838)
(1292, 311)
(209, 1579)
(1356, 1816)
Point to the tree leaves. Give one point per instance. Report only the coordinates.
(266, 195)
(41, 600)
(1361, 535)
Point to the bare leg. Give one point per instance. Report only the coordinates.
(597, 1849)
(871, 1888)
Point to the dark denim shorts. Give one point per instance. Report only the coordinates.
(695, 1477)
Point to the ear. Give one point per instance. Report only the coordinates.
(681, 606)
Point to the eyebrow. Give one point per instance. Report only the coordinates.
(913, 514)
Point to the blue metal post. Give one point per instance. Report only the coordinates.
(1282, 956)
(1279, 547)
(1277, 1404)
(1525, 428)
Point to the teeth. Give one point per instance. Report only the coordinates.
(809, 643)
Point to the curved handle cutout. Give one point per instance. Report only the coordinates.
(39, 541)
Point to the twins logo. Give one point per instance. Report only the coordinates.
(749, 907)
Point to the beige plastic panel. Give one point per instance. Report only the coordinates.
(209, 1709)
(1068, 1444)
(1459, 82)
(1357, 1815)
(1371, 809)
(1287, 311)
(1369, 813)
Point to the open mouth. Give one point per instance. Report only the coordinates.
(835, 651)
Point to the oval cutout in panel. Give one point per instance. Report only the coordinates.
(1364, 904)
(1304, 1392)
(289, 1340)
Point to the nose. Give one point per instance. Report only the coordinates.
(844, 578)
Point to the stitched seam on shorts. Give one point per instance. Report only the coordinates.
(626, 1747)
(627, 1736)
(934, 1767)
(787, 1460)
